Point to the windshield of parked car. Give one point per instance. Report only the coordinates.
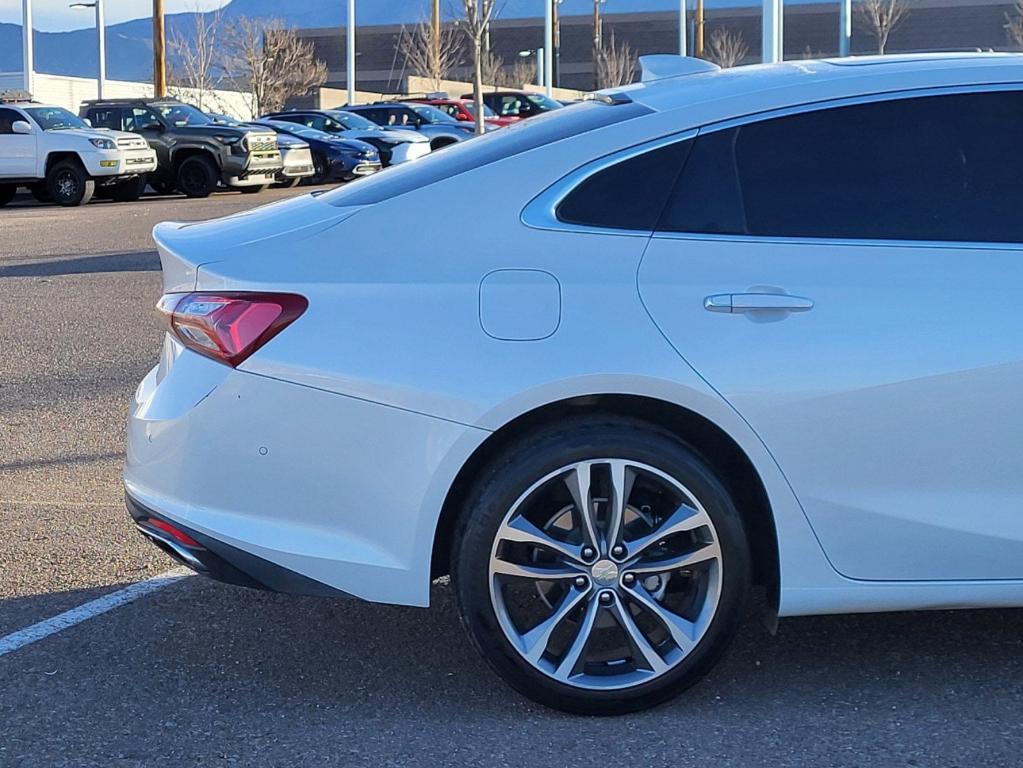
(353, 122)
(543, 103)
(55, 118)
(182, 114)
(431, 115)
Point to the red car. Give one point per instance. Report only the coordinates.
(463, 109)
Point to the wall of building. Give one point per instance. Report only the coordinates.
(810, 30)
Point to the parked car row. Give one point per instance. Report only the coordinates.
(114, 148)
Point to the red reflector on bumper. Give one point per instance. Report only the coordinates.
(179, 536)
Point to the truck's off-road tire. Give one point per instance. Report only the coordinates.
(197, 176)
(40, 193)
(69, 185)
(612, 615)
(254, 190)
(128, 191)
(162, 187)
(7, 193)
(289, 183)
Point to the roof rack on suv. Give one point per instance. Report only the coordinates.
(15, 97)
(131, 100)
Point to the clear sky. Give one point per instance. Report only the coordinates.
(55, 16)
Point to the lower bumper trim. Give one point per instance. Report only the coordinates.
(224, 562)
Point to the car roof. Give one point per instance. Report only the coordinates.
(766, 86)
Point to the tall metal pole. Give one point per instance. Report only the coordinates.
(557, 42)
(159, 51)
(845, 28)
(101, 34)
(548, 47)
(683, 24)
(27, 46)
(350, 75)
(772, 29)
(699, 28)
(598, 42)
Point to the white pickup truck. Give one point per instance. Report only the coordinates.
(61, 158)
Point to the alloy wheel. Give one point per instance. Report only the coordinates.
(605, 574)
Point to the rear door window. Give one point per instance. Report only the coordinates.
(932, 168)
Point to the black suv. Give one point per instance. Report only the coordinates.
(194, 152)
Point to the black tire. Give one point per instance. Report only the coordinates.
(290, 183)
(7, 193)
(197, 176)
(162, 187)
(40, 193)
(319, 170)
(69, 185)
(536, 457)
(128, 191)
(254, 190)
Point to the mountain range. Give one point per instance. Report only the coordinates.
(129, 44)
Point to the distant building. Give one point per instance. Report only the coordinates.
(811, 30)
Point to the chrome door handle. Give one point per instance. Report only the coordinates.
(734, 303)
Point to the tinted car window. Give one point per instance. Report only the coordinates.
(940, 168)
(107, 117)
(628, 195)
(8, 117)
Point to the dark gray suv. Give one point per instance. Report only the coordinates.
(194, 153)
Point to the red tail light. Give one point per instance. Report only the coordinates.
(229, 327)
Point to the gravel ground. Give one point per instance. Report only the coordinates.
(206, 674)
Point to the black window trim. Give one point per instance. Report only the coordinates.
(820, 106)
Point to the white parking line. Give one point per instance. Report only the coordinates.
(89, 610)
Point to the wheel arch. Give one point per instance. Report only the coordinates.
(716, 446)
(182, 153)
(441, 142)
(58, 157)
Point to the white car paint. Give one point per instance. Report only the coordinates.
(26, 156)
(888, 448)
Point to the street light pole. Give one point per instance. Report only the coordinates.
(772, 29)
(159, 51)
(548, 46)
(683, 28)
(27, 46)
(101, 41)
(845, 28)
(350, 51)
(598, 41)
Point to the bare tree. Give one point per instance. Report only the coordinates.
(476, 24)
(523, 71)
(427, 57)
(196, 58)
(1014, 24)
(493, 69)
(616, 64)
(269, 61)
(881, 17)
(727, 48)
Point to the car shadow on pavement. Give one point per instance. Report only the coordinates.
(145, 261)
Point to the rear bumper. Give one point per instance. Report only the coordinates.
(338, 490)
(219, 560)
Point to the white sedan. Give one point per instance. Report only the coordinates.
(714, 330)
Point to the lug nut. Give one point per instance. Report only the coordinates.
(580, 581)
(618, 551)
(588, 552)
(605, 598)
(629, 579)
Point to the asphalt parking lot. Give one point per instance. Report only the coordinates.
(200, 673)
